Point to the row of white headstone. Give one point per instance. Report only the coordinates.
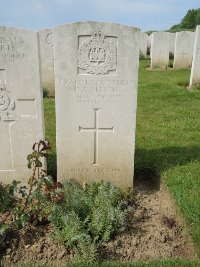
(96, 77)
(146, 42)
(95, 66)
(181, 45)
(185, 46)
(183, 49)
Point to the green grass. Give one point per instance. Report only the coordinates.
(160, 263)
(168, 137)
(167, 140)
(50, 133)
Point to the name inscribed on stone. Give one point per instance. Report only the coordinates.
(96, 91)
(11, 48)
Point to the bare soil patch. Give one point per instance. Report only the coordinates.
(157, 231)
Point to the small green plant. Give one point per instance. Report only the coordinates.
(83, 217)
(6, 198)
(90, 215)
(34, 203)
(4, 229)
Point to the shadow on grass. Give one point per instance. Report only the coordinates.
(149, 164)
(147, 178)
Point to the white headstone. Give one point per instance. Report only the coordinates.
(195, 72)
(184, 45)
(47, 59)
(21, 113)
(159, 50)
(172, 42)
(96, 74)
(143, 43)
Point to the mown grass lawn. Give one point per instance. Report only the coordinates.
(167, 142)
(168, 137)
(160, 263)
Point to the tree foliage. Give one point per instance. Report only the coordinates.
(189, 21)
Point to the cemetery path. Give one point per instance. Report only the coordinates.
(157, 231)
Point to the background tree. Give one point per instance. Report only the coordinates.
(189, 21)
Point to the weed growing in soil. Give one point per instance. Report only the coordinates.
(5, 197)
(83, 218)
(90, 215)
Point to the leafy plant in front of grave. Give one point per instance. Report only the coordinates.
(6, 198)
(83, 217)
(91, 215)
(35, 202)
(110, 212)
(8, 195)
(4, 230)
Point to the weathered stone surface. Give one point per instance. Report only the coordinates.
(47, 59)
(172, 43)
(21, 113)
(96, 71)
(143, 43)
(195, 72)
(184, 45)
(159, 50)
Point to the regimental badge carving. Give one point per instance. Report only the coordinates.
(97, 54)
(7, 105)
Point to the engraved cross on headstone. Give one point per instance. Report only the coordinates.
(96, 129)
(8, 117)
